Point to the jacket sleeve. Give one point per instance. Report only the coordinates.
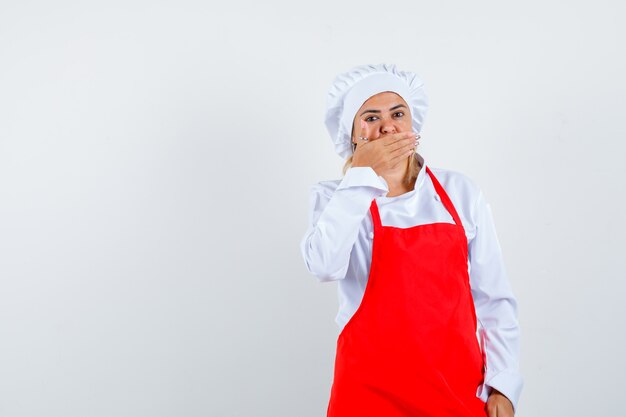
(496, 308)
(334, 221)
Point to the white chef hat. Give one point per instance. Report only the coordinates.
(351, 89)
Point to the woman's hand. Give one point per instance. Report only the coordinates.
(385, 153)
(498, 405)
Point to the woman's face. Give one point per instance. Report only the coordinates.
(384, 113)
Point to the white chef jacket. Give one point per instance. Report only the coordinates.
(338, 243)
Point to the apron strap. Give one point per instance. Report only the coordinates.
(444, 197)
(375, 216)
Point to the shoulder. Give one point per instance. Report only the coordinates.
(324, 188)
(464, 193)
(456, 184)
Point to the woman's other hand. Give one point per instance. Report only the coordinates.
(385, 153)
(498, 405)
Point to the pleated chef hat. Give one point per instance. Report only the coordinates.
(351, 89)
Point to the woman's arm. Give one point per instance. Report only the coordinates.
(335, 219)
(496, 307)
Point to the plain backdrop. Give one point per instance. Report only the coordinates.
(155, 165)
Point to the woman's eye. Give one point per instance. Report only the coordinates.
(399, 114)
(371, 119)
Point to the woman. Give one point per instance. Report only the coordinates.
(418, 263)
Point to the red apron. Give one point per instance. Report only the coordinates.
(410, 349)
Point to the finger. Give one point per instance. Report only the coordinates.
(401, 155)
(361, 137)
(402, 145)
(391, 140)
(364, 133)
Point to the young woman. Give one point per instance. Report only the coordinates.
(428, 319)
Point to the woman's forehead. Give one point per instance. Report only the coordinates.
(386, 101)
(383, 99)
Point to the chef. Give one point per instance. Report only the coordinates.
(428, 320)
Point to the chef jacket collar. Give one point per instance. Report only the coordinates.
(421, 176)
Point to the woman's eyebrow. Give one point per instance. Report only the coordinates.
(370, 111)
(397, 107)
(378, 111)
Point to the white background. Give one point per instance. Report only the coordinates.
(155, 164)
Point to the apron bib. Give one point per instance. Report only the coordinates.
(410, 349)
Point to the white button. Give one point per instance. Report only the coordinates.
(371, 235)
(437, 197)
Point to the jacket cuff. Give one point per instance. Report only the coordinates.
(364, 177)
(509, 383)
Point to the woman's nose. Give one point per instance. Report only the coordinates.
(387, 127)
